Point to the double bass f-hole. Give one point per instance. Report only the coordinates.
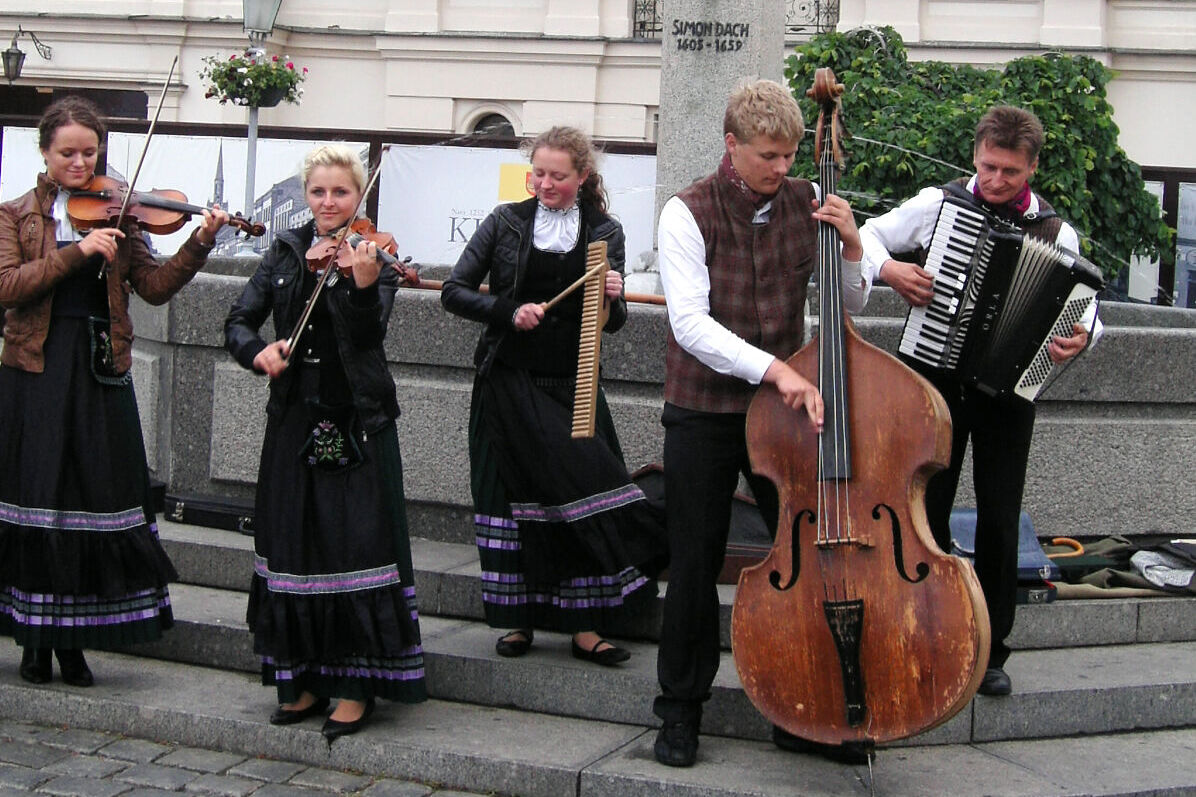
(838, 636)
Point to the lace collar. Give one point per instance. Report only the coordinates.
(556, 229)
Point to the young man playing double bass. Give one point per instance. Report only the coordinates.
(1005, 155)
(736, 251)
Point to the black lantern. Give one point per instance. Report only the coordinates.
(14, 57)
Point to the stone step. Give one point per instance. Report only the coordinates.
(447, 584)
(452, 745)
(1061, 691)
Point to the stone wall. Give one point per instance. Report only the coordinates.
(1113, 448)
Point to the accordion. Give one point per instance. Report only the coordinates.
(999, 298)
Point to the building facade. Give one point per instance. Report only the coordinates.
(452, 69)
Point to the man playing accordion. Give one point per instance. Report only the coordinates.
(1005, 155)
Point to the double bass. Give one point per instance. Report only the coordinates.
(855, 628)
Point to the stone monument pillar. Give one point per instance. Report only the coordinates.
(708, 46)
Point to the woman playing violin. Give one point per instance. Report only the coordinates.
(80, 562)
(332, 603)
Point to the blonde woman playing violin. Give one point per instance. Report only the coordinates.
(332, 603)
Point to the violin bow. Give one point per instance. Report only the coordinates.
(124, 207)
(145, 147)
(293, 340)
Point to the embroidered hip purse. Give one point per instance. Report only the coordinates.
(103, 359)
(332, 443)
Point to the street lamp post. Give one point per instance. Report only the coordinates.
(259, 18)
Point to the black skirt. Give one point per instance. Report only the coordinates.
(332, 604)
(566, 539)
(80, 561)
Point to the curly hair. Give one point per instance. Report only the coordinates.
(583, 155)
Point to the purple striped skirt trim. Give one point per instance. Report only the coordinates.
(284, 672)
(327, 583)
(581, 508)
(74, 611)
(612, 593)
(68, 520)
(494, 522)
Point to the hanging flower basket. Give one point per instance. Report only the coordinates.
(253, 79)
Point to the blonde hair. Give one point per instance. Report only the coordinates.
(334, 155)
(763, 108)
(582, 154)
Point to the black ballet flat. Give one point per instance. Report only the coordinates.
(35, 665)
(286, 716)
(73, 667)
(607, 658)
(511, 646)
(334, 729)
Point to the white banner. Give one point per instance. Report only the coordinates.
(433, 198)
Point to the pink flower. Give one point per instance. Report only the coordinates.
(233, 57)
(275, 58)
(290, 65)
(305, 70)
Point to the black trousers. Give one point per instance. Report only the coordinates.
(1000, 431)
(704, 453)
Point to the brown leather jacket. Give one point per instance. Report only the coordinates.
(31, 264)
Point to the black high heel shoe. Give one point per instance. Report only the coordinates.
(286, 716)
(334, 729)
(514, 643)
(35, 665)
(73, 667)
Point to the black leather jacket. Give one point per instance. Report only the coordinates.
(500, 248)
(359, 319)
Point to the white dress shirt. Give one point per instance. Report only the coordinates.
(686, 281)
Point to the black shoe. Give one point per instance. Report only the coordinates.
(35, 665)
(608, 657)
(995, 683)
(73, 667)
(334, 729)
(286, 716)
(514, 643)
(677, 743)
(847, 753)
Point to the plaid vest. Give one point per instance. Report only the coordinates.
(758, 278)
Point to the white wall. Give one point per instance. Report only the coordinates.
(438, 65)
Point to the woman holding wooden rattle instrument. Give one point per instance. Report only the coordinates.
(566, 538)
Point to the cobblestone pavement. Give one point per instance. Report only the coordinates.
(81, 763)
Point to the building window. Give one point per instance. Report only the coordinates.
(494, 125)
(646, 20)
(809, 18)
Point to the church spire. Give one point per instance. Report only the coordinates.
(218, 182)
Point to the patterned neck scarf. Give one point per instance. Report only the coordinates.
(728, 173)
(1014, 208)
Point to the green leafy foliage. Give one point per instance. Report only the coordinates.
(911, 125)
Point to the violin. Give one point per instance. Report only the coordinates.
(856, 628)
(161, 211)
(329, 250)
